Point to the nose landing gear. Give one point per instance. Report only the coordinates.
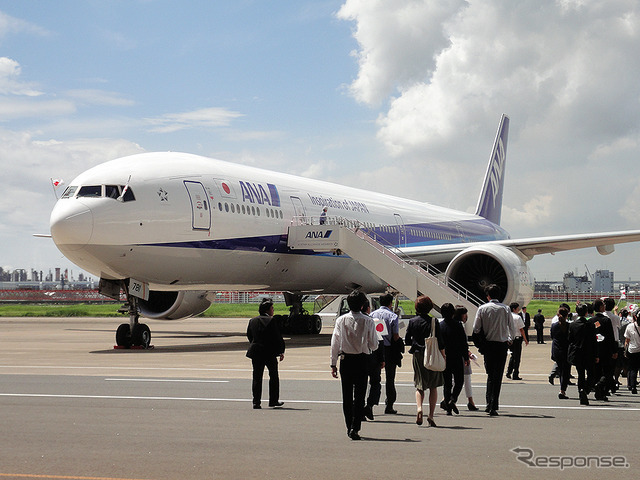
(133, 334)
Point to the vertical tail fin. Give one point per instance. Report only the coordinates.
(490, 201)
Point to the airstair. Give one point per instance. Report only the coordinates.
(411, 278)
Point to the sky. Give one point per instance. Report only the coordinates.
(402, 97)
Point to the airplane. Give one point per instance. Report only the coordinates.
(171, 228)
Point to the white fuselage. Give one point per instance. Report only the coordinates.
(196, 223)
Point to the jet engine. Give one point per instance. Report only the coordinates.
(480, 266)
(174, 305)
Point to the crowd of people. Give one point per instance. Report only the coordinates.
(599, 343)
(602, 346)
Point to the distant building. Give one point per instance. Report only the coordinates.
(603, 281)
(576, 284)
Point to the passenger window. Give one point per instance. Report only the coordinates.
(90, 191)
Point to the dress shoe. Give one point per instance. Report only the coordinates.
(493, 413)
(517, 378)
(256, 406)
(472, 407)
(390, 411)
(634, 391)
(583, 398)
(508, 376)
(562, 396)
(368, 412)
(487, 410)
(443, 405)
(551, 379)
(276, 404)
(354, 435)
(452, 406)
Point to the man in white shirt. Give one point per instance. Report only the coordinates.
(391, 355)
(494, 320)
(354, 338)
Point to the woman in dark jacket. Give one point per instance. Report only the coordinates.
(457, 352)
(560, 348)
(418, 330)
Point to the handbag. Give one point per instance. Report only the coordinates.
(433, 358)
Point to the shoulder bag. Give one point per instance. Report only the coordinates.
(433, 358)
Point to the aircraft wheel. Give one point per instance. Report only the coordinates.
(315, 324)
(123, 335)
(141, 335)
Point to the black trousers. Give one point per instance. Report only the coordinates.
(564, 369)
(604, 374)
(632, 371)
(274, 380)
(516, 357)
(390, 375)
(453, 379)
(375, 379)
(540, 333)
(353, 377)
(585, 370)
(495, 358)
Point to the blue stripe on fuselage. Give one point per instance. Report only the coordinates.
(416, 235)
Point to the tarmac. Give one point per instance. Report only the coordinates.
(73, 407)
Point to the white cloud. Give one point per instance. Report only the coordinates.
(9, 24)
(100, 97)
(12, 108)
(10, 83)
(203, 118)
(398, 42)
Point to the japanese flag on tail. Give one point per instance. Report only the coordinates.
(381, 328)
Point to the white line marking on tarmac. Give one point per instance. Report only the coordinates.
(603, 408)
(169, 380)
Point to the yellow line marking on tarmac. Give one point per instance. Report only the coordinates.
(29, 475)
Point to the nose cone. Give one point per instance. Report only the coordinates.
(71, 224)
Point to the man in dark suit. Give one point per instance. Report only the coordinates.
(266, 345)
(538, 322)
(526, 317)
(607, 351)
(582, 351)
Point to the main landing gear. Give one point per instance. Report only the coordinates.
(299, 320)
(133, 334)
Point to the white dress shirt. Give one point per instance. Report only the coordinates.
(353, 334)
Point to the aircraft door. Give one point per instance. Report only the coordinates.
(463, 237)
(200, 208)
(298, 209)
(402, 231)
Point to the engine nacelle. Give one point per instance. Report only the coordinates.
(173, 305)
(477, 267)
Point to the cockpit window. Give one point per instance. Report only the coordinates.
(90, 191)
(96, 191)
(70, 191)
(111, 191)
(128, 195)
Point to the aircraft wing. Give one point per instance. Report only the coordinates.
(530, 247)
